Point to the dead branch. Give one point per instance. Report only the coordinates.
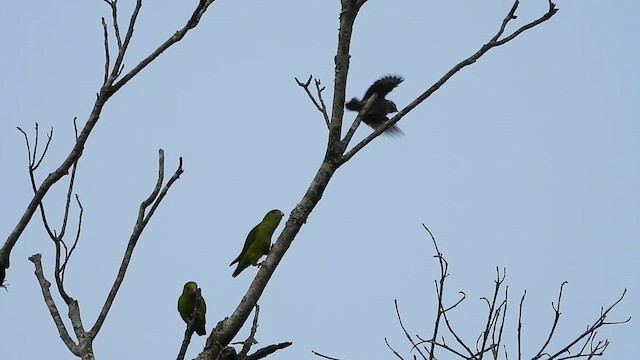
(591, 331)
(556, 310)
(494, 326)
(51, 304)
(492, 313)
(188, 333)
(84, 346)
(251, 339)
(393, 350)
(144, 215)
(519, 344)
(323, 356)
(267, 350)
(406, 333)
(319, 104)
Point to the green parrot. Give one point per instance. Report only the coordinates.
(187, 306)
(258, 241)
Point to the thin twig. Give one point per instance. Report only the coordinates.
(60, 264)
(46, 148)
(556, 310)
(439, 291)
(503, 310)
(107, 56)
(123, 46)
(32, 154)
(595, 326)
(455, 335)
(63, 267)
(491, 312)
(251, 339)
(406, 333)
(176, 37)
(520, 326)
(442, 345)
(393, 350)
(319, 104)
(113, 4)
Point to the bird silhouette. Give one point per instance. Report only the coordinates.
(376, 116)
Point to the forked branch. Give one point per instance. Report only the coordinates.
(146, 210)
(83, 346)
(319, 104)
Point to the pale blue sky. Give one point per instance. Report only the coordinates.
(528, 160)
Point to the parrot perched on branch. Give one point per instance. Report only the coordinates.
(188, 302)
(376, 116)
(258, 241)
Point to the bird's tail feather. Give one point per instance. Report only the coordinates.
(393, 131)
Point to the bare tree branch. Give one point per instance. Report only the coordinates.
(591, 330)
(179, 35)
(393, 350)
(51, 304)
(153, 201)
(267, 350)
(114, 19)
(107, 57)
(406, 333)
(490, 337)
(323, 356)
(319, 104)
(491, 313)
(556, 310)
(251, 339)
(188, 333)
(84, 347)
(439, 291)
(108, 88)
(520, 326)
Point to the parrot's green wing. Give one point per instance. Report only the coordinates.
(187, 305)
(258, 241)
(250, 239)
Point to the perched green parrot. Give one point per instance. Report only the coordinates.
(187, 305)
(258, 241)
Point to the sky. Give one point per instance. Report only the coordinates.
(527, 160)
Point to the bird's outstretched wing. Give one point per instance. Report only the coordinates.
(383, 86)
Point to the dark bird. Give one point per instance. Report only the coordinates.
(376, 116)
